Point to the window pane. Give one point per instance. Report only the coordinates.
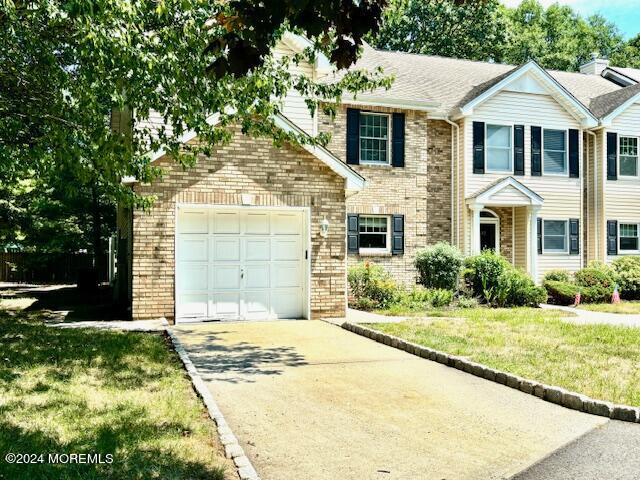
(373, 240)
(498, 136)
(628, 166)
(374, 133)
(499, 159)
(628, 243)
(555, 227)
(554, 162)
(628, 146)
(554, 243)
(628, 230)
(554, 139)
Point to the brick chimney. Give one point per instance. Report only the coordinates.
(595, 66)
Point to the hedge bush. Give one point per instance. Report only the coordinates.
(439, 266)
(420, 298)
(491, 278)
(627, 270)
(557, 275)
(370, 286)
(561, 293)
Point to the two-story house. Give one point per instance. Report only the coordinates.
(481, 155)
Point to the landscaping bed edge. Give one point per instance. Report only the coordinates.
(549, 393)
(232, 448)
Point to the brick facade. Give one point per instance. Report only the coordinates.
(421, 190)
(287, 176)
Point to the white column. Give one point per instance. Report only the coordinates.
(533, 242)
(475, 228)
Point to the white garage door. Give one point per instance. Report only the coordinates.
(246, 263)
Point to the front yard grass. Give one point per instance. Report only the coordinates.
(625, 306)
(101, 392)
(597, 360)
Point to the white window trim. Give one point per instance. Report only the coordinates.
(566, 237)
(628, 177)
(389, 141)
(486, 147)
(628, 252)
(376, 251)
(566, 152)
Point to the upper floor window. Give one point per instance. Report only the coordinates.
(499, 148)
(555, 152)
(374, 233)
(555, 234)
(628, 237)
(374, 138)
(628, 166)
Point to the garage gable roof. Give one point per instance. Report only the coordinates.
(355, 181)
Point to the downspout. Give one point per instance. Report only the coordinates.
(596, 242)
(454, 173)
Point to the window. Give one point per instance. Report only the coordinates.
(374, 138)
(628, 237)
(499, 151)
(555, 152)
(374, 233)
(628, 157)
(555, 236)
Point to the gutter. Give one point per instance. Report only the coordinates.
(454, 172)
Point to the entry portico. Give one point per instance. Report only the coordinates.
(507, 193)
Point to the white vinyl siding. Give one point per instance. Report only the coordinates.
(374, 138)
(554, 152)
(499, 150)
(561, 194)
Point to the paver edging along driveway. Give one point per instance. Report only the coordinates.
(550, 393)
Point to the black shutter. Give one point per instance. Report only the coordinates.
(574, 153)
(518, 150)
(353, 232)
(612, 156)
(574, 236)
(397, 148)
(539, 235)
(353, 136)
(397, 234)
(536, 151)
(478, 147)
(612, 237)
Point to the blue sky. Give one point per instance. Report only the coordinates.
(624, 13)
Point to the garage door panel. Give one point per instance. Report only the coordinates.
(226, 249)
(287, 303)
(257, 249)
(226, 222)
(286, 223)
(192, 248)
(256, 303)
(286, 275)
(286, 248)
(256, 275)
(192, 305)
(193, 221)
(226, 277)
(257, 223)
(225, 304)
(193, 276)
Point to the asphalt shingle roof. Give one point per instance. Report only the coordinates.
(605, 104)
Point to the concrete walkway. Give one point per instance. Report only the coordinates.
(589, 317)
(309, 400)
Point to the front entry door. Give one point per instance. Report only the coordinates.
(488, 236)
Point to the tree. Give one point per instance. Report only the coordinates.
(66, 65)
(628, 55)
(557, 38)
(472, 30)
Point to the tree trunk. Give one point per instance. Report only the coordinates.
(98, 257)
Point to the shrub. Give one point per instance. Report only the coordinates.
(561, 293)
(557, 275)
(371, 286)
(420, 298)
(627, 271)
(467, 302)
(596, 274)
(596, 294)
(439, 266)
(490, 277)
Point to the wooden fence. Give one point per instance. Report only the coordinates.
(27, 267)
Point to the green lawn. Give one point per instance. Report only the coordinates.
(598, 360)
(624, 306)
(94, 391)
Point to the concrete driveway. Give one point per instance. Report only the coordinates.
(309, 400)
